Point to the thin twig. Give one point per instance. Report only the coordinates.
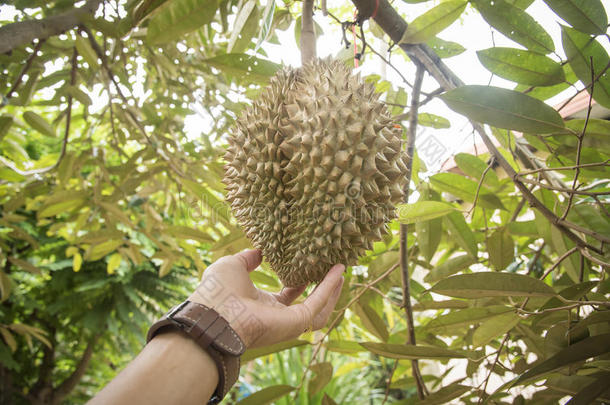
(476, 195)
(335, 321)
(595, 260)
(378, 54)
(64, 144)
(379, 292)
(586, 231)
(552, 169)
(558, 262)
(564, 190)
(404, 252)
(491, 369)
(26, 68)
(531, 265)
(134, 118)
(586, 87)
(579, 146)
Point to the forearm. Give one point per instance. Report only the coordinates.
(171, 369)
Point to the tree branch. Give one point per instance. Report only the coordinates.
(60, 393)
(579, 147)
(393, 24)
(64, 144)
(404, 229)
(308, 36)
(24, 32)
(28, 65)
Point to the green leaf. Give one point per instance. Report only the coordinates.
(522, 66)
(461, 233)
(445, 49)
(579, 49)
(86, 51)
(427, 25)
(260, 277)
(268, 23)
(186, 232)
(77, 262)
(449, 267)
(445, 304)
(25, 265)
(597, 134)
(38, 123)
(266, 395)
(8, 338)
(474, 167)
(450, 323)
(6, 121)
(244, 68)
(371, 321)
(344, 346)
(522, 4)
(5, 286)
(324, 373)
(244, 30)
(523, 228)
(382, 263)
(445, 395)
(490, 284)
(503, 108)
(587, 16)
(114, 261)
(173, 19)
(589, 393)
(516, 24)
(251, 354)
(582, 350)
(433, 121)
(422, 211)
(80, 95)
(50, 209)
(465, 189)
(500, 247)
(428, 236)
(494, 327)
(100, 250)
(208, 199)
(411, 352)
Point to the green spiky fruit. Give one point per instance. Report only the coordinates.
(314, 169)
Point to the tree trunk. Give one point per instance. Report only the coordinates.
(62, 391)
(21, 33)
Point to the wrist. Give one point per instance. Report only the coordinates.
(234, 311)
(212, 333)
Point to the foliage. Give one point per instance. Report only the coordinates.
(109, 209)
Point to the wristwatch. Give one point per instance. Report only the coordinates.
(213, 333)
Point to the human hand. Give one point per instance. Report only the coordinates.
(259, 317)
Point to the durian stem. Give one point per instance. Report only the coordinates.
(404, 230)
(308, 36)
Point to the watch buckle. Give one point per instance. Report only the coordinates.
(172, 312)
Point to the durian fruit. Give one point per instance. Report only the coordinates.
(314, 169)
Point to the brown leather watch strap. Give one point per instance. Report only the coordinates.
(213, 333)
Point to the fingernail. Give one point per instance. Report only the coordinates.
(339, 266)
